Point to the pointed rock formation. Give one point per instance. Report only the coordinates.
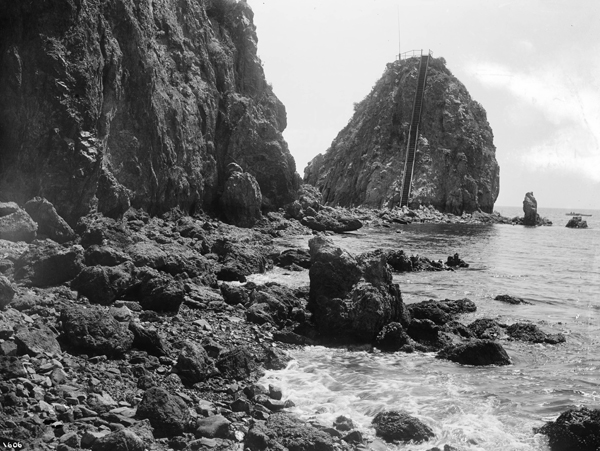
(455, 167)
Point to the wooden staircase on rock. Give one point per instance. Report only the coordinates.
(413, 134)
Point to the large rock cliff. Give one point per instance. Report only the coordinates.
(112, 103)
(455, 168)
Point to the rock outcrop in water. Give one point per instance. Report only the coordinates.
(108, 104)
(530, 210)
(577, 223)
(455, 170)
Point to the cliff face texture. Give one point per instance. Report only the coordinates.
(455, 166)
(112, 103)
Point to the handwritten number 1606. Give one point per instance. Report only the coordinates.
(12, 445)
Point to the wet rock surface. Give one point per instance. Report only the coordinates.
(574, 429)
(397, 425)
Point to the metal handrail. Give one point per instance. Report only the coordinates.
(413, 54)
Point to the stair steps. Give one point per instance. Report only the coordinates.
(413, 134)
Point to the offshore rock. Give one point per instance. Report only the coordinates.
(577, 223)
(455, 169)
(143, 104)
(530, 210)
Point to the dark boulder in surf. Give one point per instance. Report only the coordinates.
(396, 425)
(351, 299)
(476, 352)
(577, 223)
(574, 430)
(510, 299)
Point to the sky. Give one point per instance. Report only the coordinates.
(534, 65)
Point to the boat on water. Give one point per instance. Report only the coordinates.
(577, 214)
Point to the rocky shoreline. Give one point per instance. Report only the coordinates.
(144, 333)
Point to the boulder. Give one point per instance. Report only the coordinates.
(530, 209)
(11, 367)
(49, 222)
(333, 271)
(343, 306)
(241, 200)
(234, 294)
(334, 223)
(476, 352)
(283, 431)
(104, 256)
(18, 226)
(397, 425)
(577, 223)
(148, 340)
(104, 284)
(238, 260)
(121, 440)
(216, 426)
(168, 413)
(47, 263)
(237, 363)
(289, 257)
(33, 341)
(157, 291)
(193, 364)
(7, 292)
(95, 332)
(574, 430)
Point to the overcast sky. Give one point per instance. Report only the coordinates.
(534, 65)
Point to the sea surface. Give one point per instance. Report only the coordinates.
(554, 268)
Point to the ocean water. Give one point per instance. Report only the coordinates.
(554, 268)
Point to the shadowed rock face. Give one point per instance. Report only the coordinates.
(455, 168)
(108, 104)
